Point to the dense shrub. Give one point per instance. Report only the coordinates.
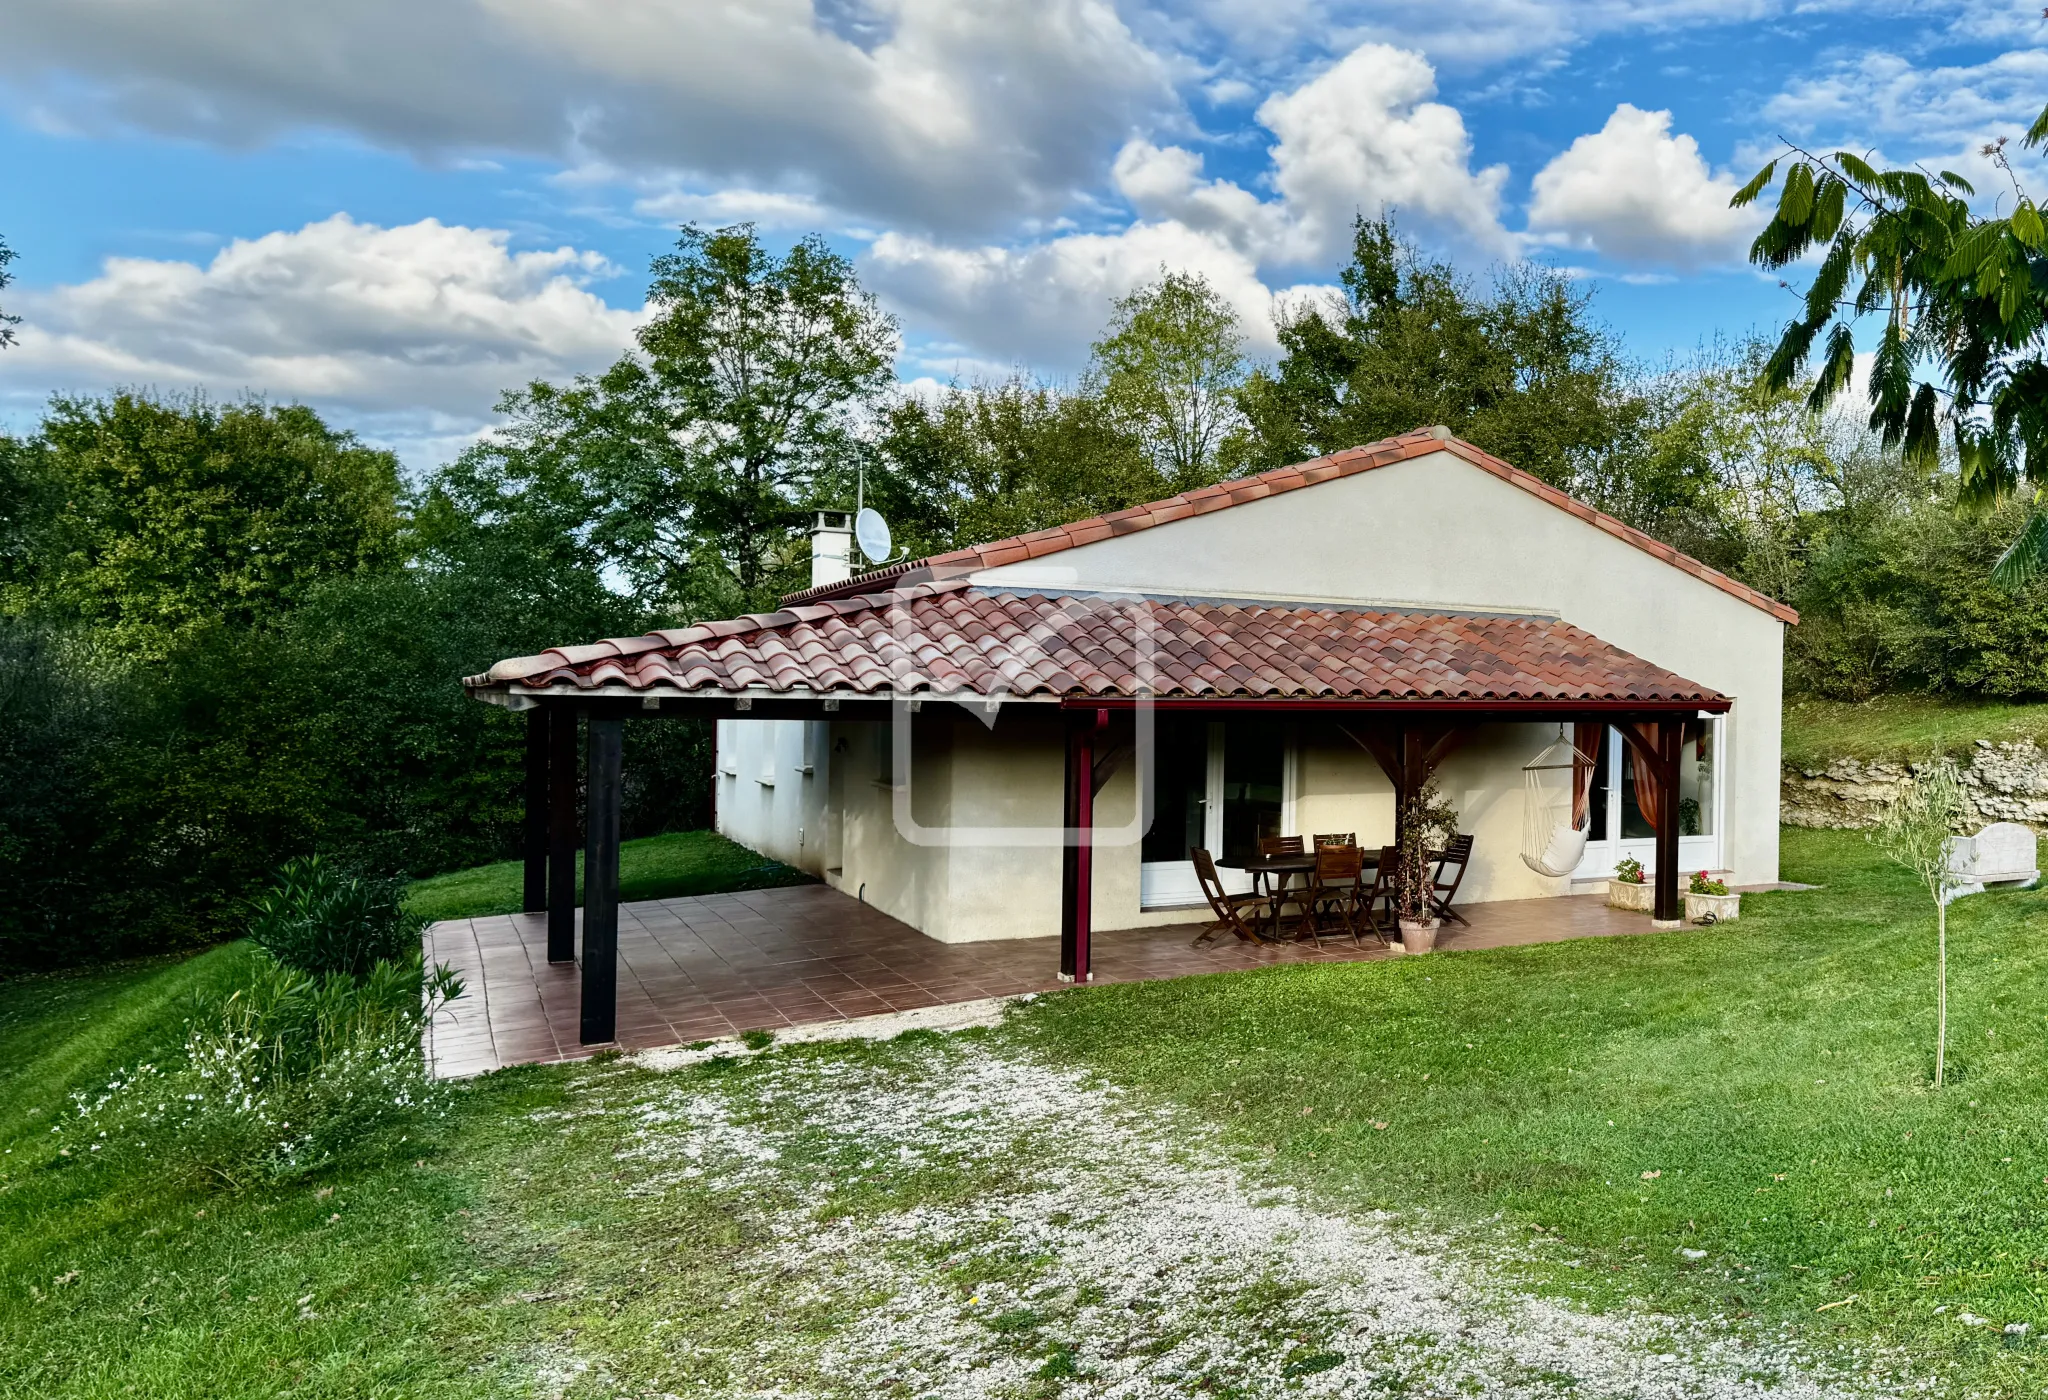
(288, 1075)
(324, 921)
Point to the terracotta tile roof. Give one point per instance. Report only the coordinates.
(1223, 495)
(952, 639)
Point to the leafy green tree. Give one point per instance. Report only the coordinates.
(695, 462)
(988, 461)
(169, 515)
(1521, 369)
(1963, 295)
(7, 323)
(1170, 364)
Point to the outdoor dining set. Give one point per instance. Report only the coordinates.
(1326, 889)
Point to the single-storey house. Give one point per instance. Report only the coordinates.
(1029, 737)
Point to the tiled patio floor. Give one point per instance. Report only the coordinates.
(692, 969)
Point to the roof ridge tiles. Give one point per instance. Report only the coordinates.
(1243, 490)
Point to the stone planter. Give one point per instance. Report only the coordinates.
(1642, 897)
(1418, 937)
(1721, 906)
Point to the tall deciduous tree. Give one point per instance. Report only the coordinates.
(1966, 297)
(695, 461)
(987, 461)
(166, 515)
(1171, 363)
(1521, 370)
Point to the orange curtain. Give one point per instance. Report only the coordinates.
(1649, 797)
(1586, 739)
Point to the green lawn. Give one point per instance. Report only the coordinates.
(653, 867)
(1755, 1094)
(1901, 727)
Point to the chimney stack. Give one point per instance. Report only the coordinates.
(832, 548)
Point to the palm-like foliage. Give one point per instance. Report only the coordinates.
(1963, 295)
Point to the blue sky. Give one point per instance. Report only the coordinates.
(397, 208)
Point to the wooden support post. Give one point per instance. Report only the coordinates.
(534, 830)
(601, 887)
(1077, 864)
(1670, 910)
(563, 771)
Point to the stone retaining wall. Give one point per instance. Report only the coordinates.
(2001, 783)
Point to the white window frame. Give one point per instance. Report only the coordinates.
(1171, 884)
(1605, 850)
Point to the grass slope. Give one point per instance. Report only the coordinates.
(1901, 727)
(653, 867)
(1758, 1094)
(1771, 1076)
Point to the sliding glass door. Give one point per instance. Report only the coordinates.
(1622, 817)
(1220, 786)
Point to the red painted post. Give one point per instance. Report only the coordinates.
(1670, 910)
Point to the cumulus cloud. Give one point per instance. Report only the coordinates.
(1637, 194)
(1042, 304)
(1365, 135)
(924, 113)
(413, 330)
(1359, 137)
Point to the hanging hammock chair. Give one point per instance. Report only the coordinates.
(1554, 833)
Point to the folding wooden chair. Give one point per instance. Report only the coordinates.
(1454, 858)
(1336, 884)
(1381, 891)
(1280, 892)
(1229, 909)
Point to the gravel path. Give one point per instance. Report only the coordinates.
(998, 1226)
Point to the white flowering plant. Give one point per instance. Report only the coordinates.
(288, 1075)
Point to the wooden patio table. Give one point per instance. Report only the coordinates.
(1280, 869)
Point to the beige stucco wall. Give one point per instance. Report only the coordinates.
(1431, 533)
(1436, 532)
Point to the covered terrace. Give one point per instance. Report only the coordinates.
(1406, 686)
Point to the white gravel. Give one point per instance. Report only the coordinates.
(998, 1226)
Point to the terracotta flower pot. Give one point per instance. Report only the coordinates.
(1721, 906)
(1640, 896)
(1418, 936)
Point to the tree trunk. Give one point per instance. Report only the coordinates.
(1940, 990)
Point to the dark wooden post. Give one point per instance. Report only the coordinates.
(601, 886)
(1670, 910)
(1077, 864)
(562, 774)
(534, 833)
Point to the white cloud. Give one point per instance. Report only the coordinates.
(1360, 137)
(1043, 304)
(411, 332)
(926, 113)
(1949, 109)
(1365, 136)
(1635, 193)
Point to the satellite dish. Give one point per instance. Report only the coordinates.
(873, 534)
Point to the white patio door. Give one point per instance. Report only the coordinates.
(1218, 786)
(1621, 831)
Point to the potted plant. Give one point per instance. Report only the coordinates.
(1628, 889)
(1427, 823)
(1707, 900)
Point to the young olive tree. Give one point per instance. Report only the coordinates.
(1915, 833)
